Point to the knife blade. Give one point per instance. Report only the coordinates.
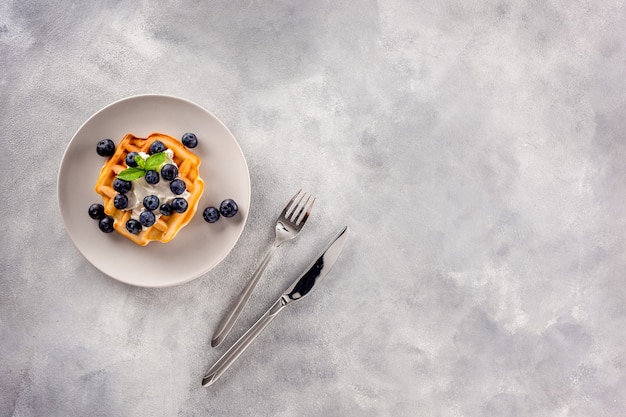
(308, 280)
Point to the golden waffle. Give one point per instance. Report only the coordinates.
(165, 227)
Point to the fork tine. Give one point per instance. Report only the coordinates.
(297, 212)
(297, 206)
(304, 215)
(293, 204)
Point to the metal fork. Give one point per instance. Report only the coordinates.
(288, 225)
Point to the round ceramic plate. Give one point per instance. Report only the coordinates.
(199, 246)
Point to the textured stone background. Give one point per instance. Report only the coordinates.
(476, 149)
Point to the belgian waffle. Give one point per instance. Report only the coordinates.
(166, 227)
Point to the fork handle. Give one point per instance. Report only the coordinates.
(229, 319)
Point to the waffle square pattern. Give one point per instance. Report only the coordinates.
(166, 227)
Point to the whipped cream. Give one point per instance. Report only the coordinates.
(142, 189)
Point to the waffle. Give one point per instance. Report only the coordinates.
(166, 227)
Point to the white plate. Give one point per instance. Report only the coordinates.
(199, 246)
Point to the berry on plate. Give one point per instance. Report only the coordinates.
(151, 202)
(169, 172)
(133, 226)
(178, 186)
(152, 177)
(130, 159)
(122, 186)
(211, 214)
(147, 218)
(156, 147)
(96, 211)
(179, 205)
(228, 208)
(165, 209)
(105, 147)
(120, 201)
(189, 140)
(106, 224)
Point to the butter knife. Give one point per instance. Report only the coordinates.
(312, 276)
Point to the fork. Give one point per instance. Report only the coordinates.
(288, 225)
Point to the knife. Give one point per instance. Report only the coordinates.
(312, 276)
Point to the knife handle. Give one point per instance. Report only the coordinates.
(242, 343)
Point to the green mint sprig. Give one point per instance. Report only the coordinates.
(152, 163)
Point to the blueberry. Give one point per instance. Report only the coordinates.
(133, 226)
(147, 218)
(178, 186)
(130, 159)
(156, 147)
(122, 186)
(211, 214)
(120, 201)
(179, 205)
(151, 202)
(152, 177)
(105, 147)
(165, 209)
(228, 208)
(169, 172)
(190, 140)
(96, 211)
(106, 224)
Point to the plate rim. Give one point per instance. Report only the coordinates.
(248, 191)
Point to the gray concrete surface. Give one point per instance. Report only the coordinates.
(476, 149)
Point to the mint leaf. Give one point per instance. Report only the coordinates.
(154, 161)
(151, 164)
(131, 174)
(141, 163)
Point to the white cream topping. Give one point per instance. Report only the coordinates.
(161, 189)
